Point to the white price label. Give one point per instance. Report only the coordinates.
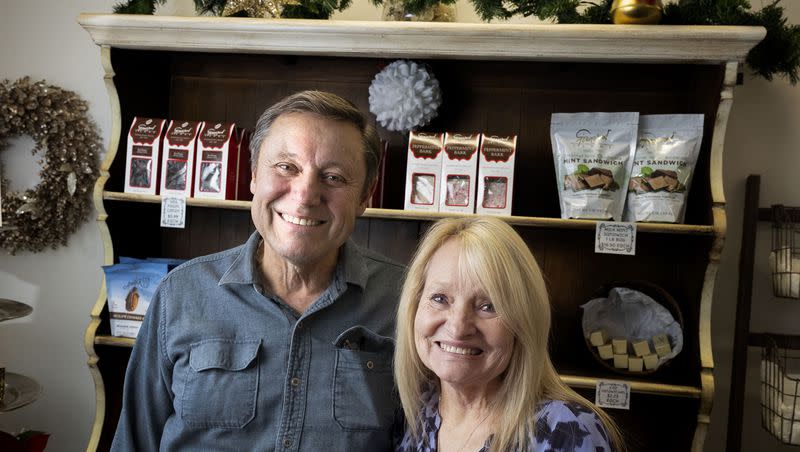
(613, 394)
(613, 237)
(173, 212)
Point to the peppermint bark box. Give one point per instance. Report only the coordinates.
(459, 171)
(177, 163)
(142, 157)
(496, 174)
(423, 171)
(243, 172)
(217, 159)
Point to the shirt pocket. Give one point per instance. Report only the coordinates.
(363, 387)
(222, 383)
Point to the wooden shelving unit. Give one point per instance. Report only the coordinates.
(395, 214)
(501, 79)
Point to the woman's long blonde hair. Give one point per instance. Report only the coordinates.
(494, 254)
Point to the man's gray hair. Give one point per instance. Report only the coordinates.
(329, 106)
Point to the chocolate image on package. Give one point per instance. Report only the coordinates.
(495, 189)
(659, 180)
(457, 190)
(176, 175)
(592, 179)
(141, 172)
(639, 185)
(132, 299)
(574, 182)
(605, 176)
(423, 191)
(210, 175)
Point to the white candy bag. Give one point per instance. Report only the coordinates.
(666, 156)
(593, 154)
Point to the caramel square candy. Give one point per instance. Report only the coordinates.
(641, 348)
(620, 346)
(605, 351)
(598, 338)
(650, 361)
(661, 344)
(635, 364)
(620, 361)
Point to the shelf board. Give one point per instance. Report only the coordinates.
(155, 199)
(114, 341)
(399, 39)
(392, 214)
(572, 380)
(643, 387)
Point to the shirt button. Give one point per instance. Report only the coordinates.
(295, 381)
(370, 365)
(287, 442)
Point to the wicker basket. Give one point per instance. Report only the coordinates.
(784, 260)
(655, 292)
(780, 392)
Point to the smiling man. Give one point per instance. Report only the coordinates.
(281, 343)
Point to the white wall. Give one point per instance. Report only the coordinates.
(41, 39)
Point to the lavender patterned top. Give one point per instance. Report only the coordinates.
(560, 427)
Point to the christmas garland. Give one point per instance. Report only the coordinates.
(67, 140)
(287, 9)
(777, 54)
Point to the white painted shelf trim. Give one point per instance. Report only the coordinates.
(562, 42)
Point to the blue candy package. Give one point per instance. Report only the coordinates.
(130, 288)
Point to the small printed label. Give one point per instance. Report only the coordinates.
(173, 212)
(613, 394)
(613, 237)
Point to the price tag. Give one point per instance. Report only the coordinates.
(613, 237)
(613, 394)
(173, 212)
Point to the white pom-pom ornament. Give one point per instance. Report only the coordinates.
(404, 95)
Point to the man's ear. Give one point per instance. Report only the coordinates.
(253, 182)
(368, 195)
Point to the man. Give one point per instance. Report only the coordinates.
(282, 343)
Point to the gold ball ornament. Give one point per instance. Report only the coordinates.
(642, 12)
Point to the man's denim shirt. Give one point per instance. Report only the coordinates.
(221, 365)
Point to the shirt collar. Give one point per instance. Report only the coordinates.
(244, 269)
(352, 262)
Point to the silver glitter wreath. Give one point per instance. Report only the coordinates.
(404, 95)
(68, 144)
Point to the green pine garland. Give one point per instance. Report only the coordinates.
(137, 6)
(777, 54)
(307, 9)
(418, 6)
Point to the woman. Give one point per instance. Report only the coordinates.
(471, 361)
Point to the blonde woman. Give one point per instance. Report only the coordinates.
(471, 361)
